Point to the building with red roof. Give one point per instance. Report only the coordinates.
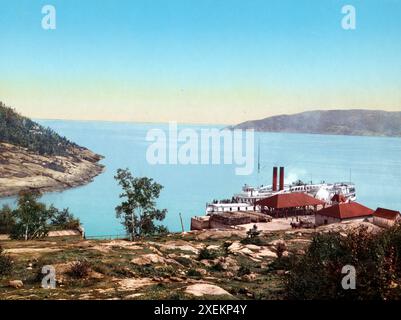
(342, 212)
(386, 218)
(289, 204)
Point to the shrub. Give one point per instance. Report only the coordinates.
(186, 262)
(283, 263)
(376, 258)
(244, 270)
(6, 264)
(217, 267)
(206, 254)
(7, 220)
(280, 249)
(152, 271)
(79, 269)
(252, 240)
(194, 273)
(225, 247)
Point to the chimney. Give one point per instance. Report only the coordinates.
(281, 178)
(274, 184)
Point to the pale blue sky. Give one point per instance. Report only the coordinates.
(207, 61)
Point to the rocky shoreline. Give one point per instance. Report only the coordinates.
(21, 170)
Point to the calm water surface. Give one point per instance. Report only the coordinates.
(374, 164)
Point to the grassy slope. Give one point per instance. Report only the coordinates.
(111, 263)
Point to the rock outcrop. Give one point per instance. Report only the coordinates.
(22, 169)
(203, 289)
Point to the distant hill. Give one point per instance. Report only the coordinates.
(337, 122)
(23, 132)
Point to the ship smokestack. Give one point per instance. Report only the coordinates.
(281, 178)
(274, 184)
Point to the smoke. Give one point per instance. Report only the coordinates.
(294, 175)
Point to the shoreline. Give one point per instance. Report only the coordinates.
(22, 170)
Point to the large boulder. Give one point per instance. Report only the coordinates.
(149, 259)
(17, 284)
(203, 289)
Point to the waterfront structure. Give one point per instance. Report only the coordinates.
(228, 207)
(343, 212)
(227, 220)
(386, 218)
(289, 204)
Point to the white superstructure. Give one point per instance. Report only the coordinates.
(321, 191)
(246, 199)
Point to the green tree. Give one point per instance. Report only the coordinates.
(63, 219)
(31, 217)
(138, 210)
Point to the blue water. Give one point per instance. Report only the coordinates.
(374, 164)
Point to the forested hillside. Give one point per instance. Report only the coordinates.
(21, 131)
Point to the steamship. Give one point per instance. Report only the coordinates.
(246, 199)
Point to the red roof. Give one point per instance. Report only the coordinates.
(289, 200)
(386, 213)
(346, 211)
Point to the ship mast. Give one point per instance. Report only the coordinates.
(258, 155)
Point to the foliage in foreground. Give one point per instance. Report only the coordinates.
(376, 258)
(6, 264)
(206, 254)
(80, 269)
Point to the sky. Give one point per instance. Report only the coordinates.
(198, 61)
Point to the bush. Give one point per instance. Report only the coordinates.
(225, 247)
(206, 254)
(217, 267)
(6, 264)
(7, 220)
(186, 262)
(194, 273)
(376, 258)
(80, 269)
(280, 249)
(244, 270)
(252, 240)
(283, 263)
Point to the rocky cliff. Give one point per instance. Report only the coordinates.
(35, 157)
(22, 169)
